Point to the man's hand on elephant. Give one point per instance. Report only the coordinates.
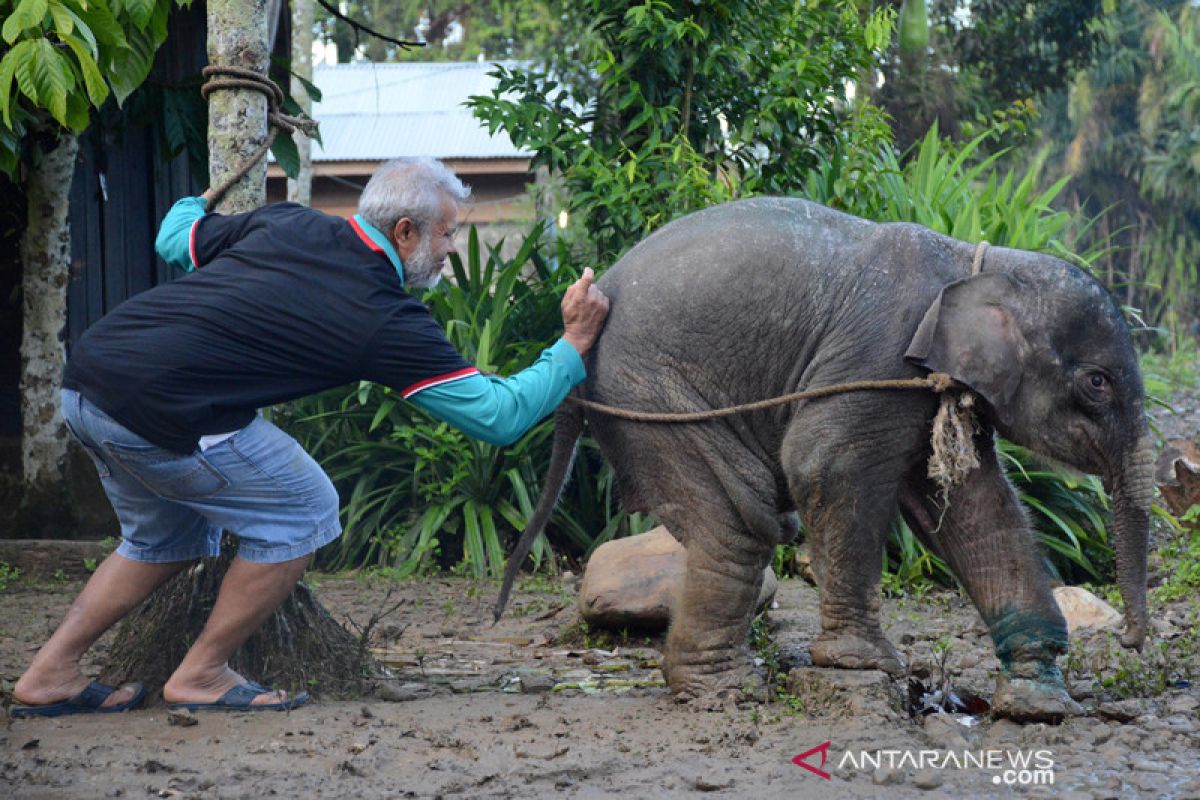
(584, 308)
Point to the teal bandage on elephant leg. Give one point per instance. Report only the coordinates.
(1023, 638)
(1030, 687)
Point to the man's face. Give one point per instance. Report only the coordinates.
(427, 255)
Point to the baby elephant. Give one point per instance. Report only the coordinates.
(765, 297)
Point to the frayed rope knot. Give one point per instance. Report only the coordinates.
(953, 441)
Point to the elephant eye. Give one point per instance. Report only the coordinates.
(1097, 380)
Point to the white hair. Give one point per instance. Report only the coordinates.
(409, 187)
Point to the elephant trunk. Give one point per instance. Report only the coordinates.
(1133, 495)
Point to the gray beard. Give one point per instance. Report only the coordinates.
(421, 271)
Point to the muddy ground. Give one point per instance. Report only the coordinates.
(538, 705)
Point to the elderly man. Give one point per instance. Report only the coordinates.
(163, 393)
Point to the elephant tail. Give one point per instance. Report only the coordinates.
(568, 427)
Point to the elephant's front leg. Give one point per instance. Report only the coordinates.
(844, 468)
(986, 538)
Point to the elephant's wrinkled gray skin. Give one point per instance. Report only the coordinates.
(763, 297)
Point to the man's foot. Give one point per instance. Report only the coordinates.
(95, 698)
(34, 690)
(247, 697)
(186, 691)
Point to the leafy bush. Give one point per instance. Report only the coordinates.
(666, 108)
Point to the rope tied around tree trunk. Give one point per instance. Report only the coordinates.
(227, 78)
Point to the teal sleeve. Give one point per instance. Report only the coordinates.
(174, 241)
(500, 410)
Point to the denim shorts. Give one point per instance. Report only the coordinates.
(258, 483)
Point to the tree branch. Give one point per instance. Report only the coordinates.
(358, 27)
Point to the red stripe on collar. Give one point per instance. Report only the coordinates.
(367, 240)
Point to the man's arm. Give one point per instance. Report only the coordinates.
(500, 410)
(174, 241)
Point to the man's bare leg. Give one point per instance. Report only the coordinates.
(249, 594)
(116, 587)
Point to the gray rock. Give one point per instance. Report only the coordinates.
(1182, 704)
(885, 776)
(1002, 731)
(928, 778)
(1143, 764)
(1080, 690)
(634, 581)
(402, 692)
(946, 732)
(1120, 710)
(536, 683)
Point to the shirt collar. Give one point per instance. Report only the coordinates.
(374, 239)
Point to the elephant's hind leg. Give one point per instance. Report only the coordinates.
(724, 510)
(707, 653)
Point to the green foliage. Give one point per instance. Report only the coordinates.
(1017, 50)
(1182, 552)
(61, 58)
(671, 108)
(1121, 674)
(1069, 514)
(454, 31)
(8, 574)
(1126, 135)
(958, 190)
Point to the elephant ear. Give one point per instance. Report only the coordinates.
(970, 333)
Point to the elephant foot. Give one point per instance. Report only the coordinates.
(1042, 698)
(847, 650)
(707, 690)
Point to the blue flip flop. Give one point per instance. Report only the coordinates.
(89, 701)
(241, 698)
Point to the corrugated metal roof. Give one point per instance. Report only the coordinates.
(379, 111)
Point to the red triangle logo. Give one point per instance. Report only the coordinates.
(823, 749)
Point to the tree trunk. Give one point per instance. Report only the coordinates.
(237, 119)
(46, 262)
(300, 646)
(300, 189)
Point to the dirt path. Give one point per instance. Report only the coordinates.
(537, 706)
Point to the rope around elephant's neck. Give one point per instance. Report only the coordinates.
(242, 78)
(937, 382)
(977, 261)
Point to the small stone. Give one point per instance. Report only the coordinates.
(182, 717)
(536, 683)
(884, 776)
(946, 732)
(1080, 690)
(403, 692)
(928, 778)
(1142, 764)
(1120, 710)
(1182, 704)
(1003, 730)
(969, 661)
